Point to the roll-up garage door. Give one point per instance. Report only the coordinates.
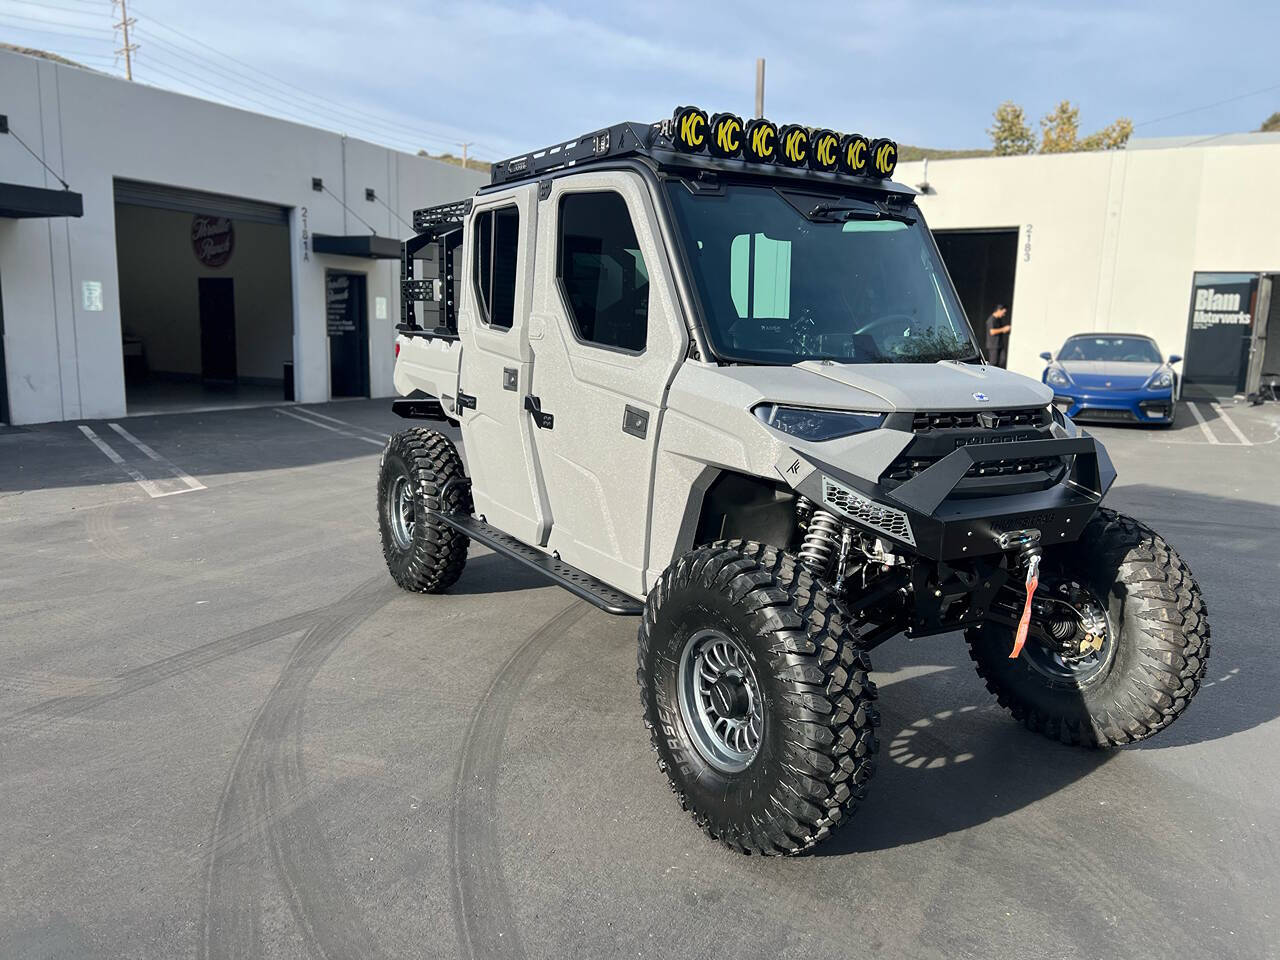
(197, 201)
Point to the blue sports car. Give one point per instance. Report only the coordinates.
(1112, 377)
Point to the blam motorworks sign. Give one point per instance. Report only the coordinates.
(212, 239)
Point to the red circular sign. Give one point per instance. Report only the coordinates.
(212, 239)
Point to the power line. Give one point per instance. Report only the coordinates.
(314, 110)
(326, 104)
(1210, 106)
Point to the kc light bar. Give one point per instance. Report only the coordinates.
(725, 136)
(713, 139)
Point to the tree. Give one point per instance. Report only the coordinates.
(1111, 137)
(1060, 129)
(1271, 124)
(1010, 135)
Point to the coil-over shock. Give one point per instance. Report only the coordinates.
(821, 536)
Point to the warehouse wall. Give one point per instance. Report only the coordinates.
(1110, 241)
(65, 362)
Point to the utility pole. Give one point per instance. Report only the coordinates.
(759, 85)
(464, 154)
(125, 23)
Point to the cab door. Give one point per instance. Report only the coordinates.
(496, 362)
(606, 340)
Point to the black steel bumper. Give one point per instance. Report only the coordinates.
(924, 515)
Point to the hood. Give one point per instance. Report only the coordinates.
(934, 386)
(1109, 374)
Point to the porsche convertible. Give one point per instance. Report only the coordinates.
(1116, 377)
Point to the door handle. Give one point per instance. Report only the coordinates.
(544, 421)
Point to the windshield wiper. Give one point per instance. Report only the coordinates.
(836, 212)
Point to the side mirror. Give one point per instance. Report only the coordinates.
(1046, 356)
(1174, 357)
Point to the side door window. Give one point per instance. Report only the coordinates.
(497, 246)
(602, 273)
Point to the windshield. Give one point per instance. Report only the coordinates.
(786, 277)
(1133, 349)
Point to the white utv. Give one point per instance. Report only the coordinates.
(715, 375)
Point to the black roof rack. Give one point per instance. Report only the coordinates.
(442, 217)
(654, 141)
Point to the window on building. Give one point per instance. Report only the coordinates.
(603, 273)
(497, 245)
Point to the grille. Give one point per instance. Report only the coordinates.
(1102, 413)
(867, 512)
(922, 422)
(907, 468)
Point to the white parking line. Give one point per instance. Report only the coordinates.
(1204, 426)
(191, 482)
(344, 423)
(1231, 424)
(324, 426)
(148, 485)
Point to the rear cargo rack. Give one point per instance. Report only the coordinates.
(434, 284)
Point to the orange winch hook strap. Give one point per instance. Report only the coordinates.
(1033, 581)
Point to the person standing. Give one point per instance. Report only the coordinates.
(998, 327)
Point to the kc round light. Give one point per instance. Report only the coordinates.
(726, 136)
(761, 143)
(793, 145)
(852, 154)
(690, 128)
(824, 150)
(884, 157)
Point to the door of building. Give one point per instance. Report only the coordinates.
(348, 327)
(217, 329)
(1219, 334)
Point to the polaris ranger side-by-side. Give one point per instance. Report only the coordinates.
(714, 374)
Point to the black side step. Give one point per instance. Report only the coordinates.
(557, 571)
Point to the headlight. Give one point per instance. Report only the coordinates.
(1161, 379)
(1057, 377)
(817, 425)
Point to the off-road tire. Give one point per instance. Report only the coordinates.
(818, 740)
(1158, 657)
(433, 560)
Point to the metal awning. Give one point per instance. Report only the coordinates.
(18, 201)
(363, 245)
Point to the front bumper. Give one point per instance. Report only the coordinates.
(923, 515)
(1110, 406)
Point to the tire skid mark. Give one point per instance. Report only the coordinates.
(131, 681)
(482, 913)
(264, 808)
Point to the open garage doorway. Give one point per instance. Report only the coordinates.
(982, 264)
(206, 298)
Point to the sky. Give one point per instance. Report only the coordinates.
(510, 77)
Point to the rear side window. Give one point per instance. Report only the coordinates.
(602, 271)
(497, 244)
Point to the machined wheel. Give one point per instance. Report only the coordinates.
(1118, 642)
(421, 472)
(756, 696)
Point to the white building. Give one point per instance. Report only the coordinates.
(216, 246)
(1121, 241)
(199, 266)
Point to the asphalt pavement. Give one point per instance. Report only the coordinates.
(224, 732)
